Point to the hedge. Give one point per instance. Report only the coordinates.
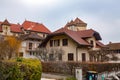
(69, 67)
(20, 69)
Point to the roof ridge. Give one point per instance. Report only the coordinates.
(32, 22)
(5, 22)
(78, 20)
(114, 43)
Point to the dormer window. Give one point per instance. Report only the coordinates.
(92, 43)
(44, 35)
(6, 27)
(72, 27)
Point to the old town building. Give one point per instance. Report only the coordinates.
(31, 34)
(75, 40)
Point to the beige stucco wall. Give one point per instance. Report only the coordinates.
(94, 43)
(25, 48)
(83, 50)
(70, 48)
(42, 34)
(81, 28)
(77, 28)
(8, 31)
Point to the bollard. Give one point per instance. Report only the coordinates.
(103, 77)
(78, 73)
(90, 77)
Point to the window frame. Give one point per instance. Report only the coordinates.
(56, 42)
(60, 57)
(51, 43)
(30, 45)
(51, 57)
(83, 57)
(70, 57)
(92, 43)
(65, 42)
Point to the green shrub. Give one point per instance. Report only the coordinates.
(20, 69)
(19, 59)
(69, 67)
(71, 78)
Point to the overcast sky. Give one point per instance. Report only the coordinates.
(100, 15)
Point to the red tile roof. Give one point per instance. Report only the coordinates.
(100, 44)
(86, 33)
(16, 28)
(89, 33)
(34, 26)
(0, 27)
(0, 23)
(5, 22)
(76, 22)
(83, 33)
(77, 36)
(72, 34)
(113, 46)
(31, 35)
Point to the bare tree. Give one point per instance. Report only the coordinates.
(100, 55)
(56, 54)
(114, 57)
(42, 54)
(52, 54)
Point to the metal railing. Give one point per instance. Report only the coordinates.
(107, 74)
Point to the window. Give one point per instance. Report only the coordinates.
(57, 42)
(6, 27)
(65, 42)
(30, 53)
(21, 54)
(33, 53)
(60, 57)
(92, 43)
(30, 45)
(72, 27)
(70, 57)
(23, 44)
(44, 35)
(83, 57)
(27, 32)
(5, 33)
(51, 43)
(118, 51)
(54, 43)
(51, 57)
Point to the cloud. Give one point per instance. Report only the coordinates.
(101, 15)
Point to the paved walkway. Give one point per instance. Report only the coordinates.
(47, 79)
(46, 76)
